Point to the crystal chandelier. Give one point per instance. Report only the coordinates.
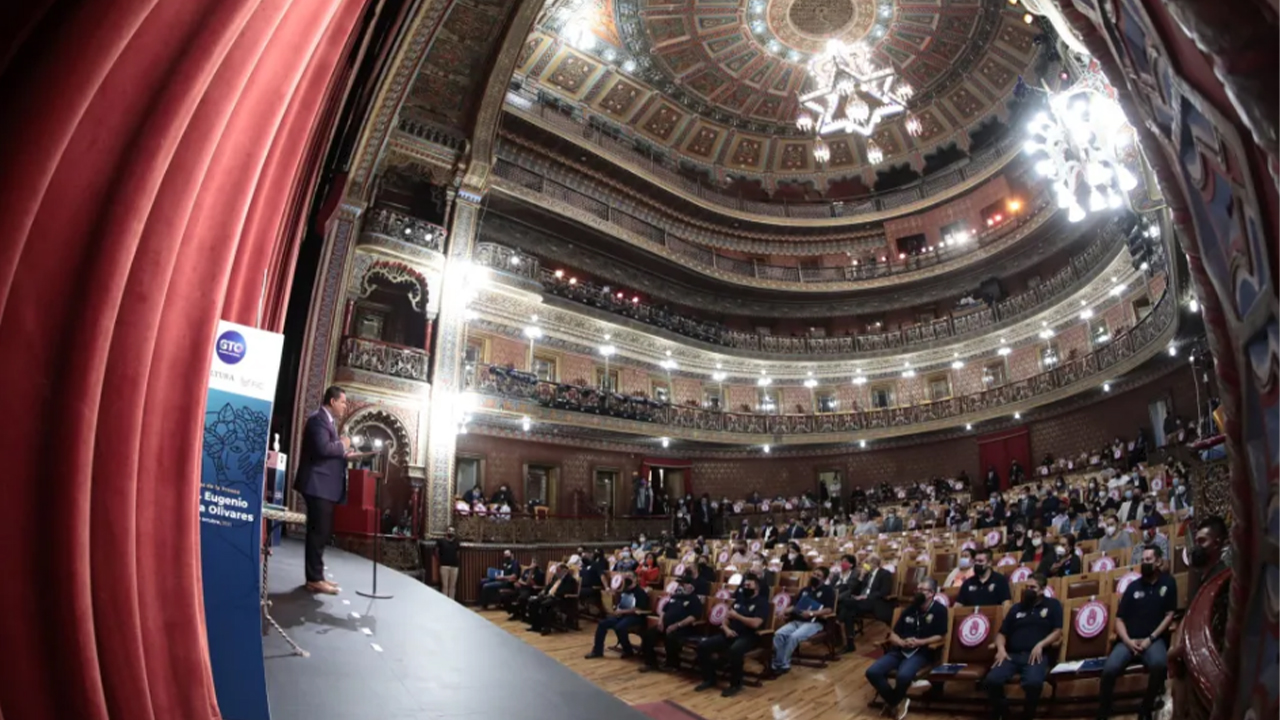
(1080, 143)
(851, 93)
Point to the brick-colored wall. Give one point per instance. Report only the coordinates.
(504, 460)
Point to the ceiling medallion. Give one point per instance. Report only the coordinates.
(851, 93)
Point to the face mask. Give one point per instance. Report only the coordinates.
(965, 562)
(1061, 551)
(1200, 557)
(749, 590)
(1029, 597)
(845, 567)
(1036, 542)
(626, 556)
(919, 599)
(642, 539)
(815, 581)
(1111, 530)
(791, 556)
(1148, 569)
(980, 569)
(866, 567)
(1128, 494)
(1072, 516)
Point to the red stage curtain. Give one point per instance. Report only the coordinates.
(1001, 449)
(154, 153)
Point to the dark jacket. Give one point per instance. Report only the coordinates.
(322, 464)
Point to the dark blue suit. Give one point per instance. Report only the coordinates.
(322, 480)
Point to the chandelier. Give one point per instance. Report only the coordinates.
(1080, 143)
(851, 93)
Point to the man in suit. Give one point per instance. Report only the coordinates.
(892, 523)
(877, 586)
(539, 609)
(322, 481)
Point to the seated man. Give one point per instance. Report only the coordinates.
(845, 582)
(737, 636)
(541, 606)
(1142, 620)
(986, 587)
(877, 586)
(922, 623)
(508, 573)
(1031, 625)
(814, 603)
(626, 614)
(529, 584)
(675, 625)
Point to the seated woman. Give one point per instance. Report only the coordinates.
(795, 560)
(962, 571)
(649, 573)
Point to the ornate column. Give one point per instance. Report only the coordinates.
(328, 314)
(446, 359)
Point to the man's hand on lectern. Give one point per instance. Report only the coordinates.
(346, 442)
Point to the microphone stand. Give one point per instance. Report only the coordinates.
(377, 536)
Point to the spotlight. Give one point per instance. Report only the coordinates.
(573, 281)
(1028, 18)
(968, 426)
(767, 449)
(1017, 416)
(666, 442)
(862, 444)
(559, 274)
(1173, 351)
(1106, 387)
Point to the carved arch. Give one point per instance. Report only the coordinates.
(401, 449)
(395, 273)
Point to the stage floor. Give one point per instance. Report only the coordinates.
(418, 656)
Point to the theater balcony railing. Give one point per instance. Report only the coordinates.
(936, 187)
(696, 245)
(964, 320)
(384, 358)
(1139, 343)
(394, 228)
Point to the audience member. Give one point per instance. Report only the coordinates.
(986, 587)
(674, 627)
(538, 608)
(1030, 626)
(921, 625)
(737, 635)
(815, 602)
(625, 615)
(1141, 625)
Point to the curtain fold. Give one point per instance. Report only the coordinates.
(154, 152)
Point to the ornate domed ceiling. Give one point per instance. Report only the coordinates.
(717, 81)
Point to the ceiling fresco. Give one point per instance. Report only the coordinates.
(715, 81)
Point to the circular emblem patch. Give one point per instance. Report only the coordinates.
(974, 630)
(1157, 483)
(672, 586)
(969, 545)
(1123, 583)
(993, 538)
(723, 594)
(679, 570)
(781, 602)
(1020, 575)
(755, 546)
(1091, 620)
(718, 613)
(724, 557)
(1103, 564)
(1006, 561)
(1048, 592)
(616, 582)
(942, 599)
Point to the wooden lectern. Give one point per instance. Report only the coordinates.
(359, 514)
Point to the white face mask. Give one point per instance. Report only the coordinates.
(965, 562)
(1061, 551)
(1111, 530)
(1035, 542)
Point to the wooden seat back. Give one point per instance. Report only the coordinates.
(983, 654)
(1074, 645)
(1085, 585)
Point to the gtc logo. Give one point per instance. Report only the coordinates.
(230, 347)
(718, 612)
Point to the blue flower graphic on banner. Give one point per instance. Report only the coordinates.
(233, 440)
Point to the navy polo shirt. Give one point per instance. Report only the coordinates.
(680, 607)
(993, 591)
(825, 595)
(1023, 627)
(755, 607)
(641, 597)
(1144, 605)
(922, 623)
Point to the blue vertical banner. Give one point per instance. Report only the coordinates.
(237, 421)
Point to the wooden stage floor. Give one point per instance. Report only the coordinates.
(838, 691)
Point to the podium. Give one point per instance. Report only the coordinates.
(359, 514)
